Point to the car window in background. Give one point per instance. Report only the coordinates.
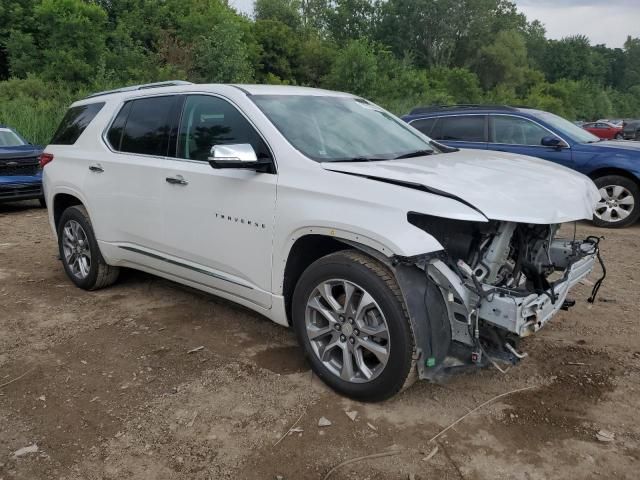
(327, 129)
(564, 127)
(425, 125)
(148, 125)
(516, 131)
(8, 138)
(209, 121)
(74, 123)
(467, 128)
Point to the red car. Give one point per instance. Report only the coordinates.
(604, 130)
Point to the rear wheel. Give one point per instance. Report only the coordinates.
(79, 251)
(350, 318)
(619, 136)
(619, 205)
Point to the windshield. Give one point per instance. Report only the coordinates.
(566, 128)
(8, 138)
(331, 129)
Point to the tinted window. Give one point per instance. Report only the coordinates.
(425, 125)
(468, 128)
(148, 125)
(517, 131)
(74, 122)
(209, 121)
(117, 127)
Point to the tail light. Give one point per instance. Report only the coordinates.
(45, 158)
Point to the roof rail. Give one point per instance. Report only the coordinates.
(170, 83)
(470, 106)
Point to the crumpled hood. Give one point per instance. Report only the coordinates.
(502, 186)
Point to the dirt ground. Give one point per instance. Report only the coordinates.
(112, 392)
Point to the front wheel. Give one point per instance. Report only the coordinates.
(619, 205)
(79, 251)
(350, 318)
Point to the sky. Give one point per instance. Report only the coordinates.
(602, 21)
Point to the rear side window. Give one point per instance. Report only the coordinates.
(425, 125)
(468, 128)
(143, 126)
(114, 135)
(74, 123)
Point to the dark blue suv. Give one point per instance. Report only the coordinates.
(614, 166)
(20, 173)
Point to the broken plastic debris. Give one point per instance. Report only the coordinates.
(24, 450)
(324, 422)
(605, 436)
(352, 415)
(197, 349)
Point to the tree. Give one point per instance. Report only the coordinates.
(285, 11)
(221, 57)
(279, 49)
(355, 69)
(50, 50)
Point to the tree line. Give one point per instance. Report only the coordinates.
(399, 53)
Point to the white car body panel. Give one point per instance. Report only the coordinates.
(132, 206)
(558, 193)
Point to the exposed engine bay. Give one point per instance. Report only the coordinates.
(501, 281)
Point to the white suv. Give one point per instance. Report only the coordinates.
(392, 256)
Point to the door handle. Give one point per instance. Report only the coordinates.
(96, 168)
(177, 180)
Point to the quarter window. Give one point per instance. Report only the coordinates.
(517, 131)
(74, 123)
(208, 121)
(468, 128)
(145, 124)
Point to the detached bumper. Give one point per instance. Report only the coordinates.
(526, 315)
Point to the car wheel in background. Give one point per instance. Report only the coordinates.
(79, 251)
(619, 205)
(350, 318)
(619, 136)
(43, 203)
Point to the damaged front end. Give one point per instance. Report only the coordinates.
(493, 284)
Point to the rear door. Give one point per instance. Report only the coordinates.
(126, 185)
(460, 131)
(514, 134)
(218, 223)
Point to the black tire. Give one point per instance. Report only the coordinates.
(43, 203)
(100, 274)
(400, 370)
(619, 136)
(634, 191)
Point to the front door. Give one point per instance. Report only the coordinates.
(508, 133)
(218, 223)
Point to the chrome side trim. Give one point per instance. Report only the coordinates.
(183, 265)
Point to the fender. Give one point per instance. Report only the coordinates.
(409, 240)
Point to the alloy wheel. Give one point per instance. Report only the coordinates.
(75, 247)
(616, 203)
(347, 331)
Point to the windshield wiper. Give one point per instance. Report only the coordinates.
(417, 153)
(358, 159)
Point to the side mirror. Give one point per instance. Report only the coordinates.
(238, 155)
(553, 142)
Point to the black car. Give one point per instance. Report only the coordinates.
(20, 173)
(631, 130)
